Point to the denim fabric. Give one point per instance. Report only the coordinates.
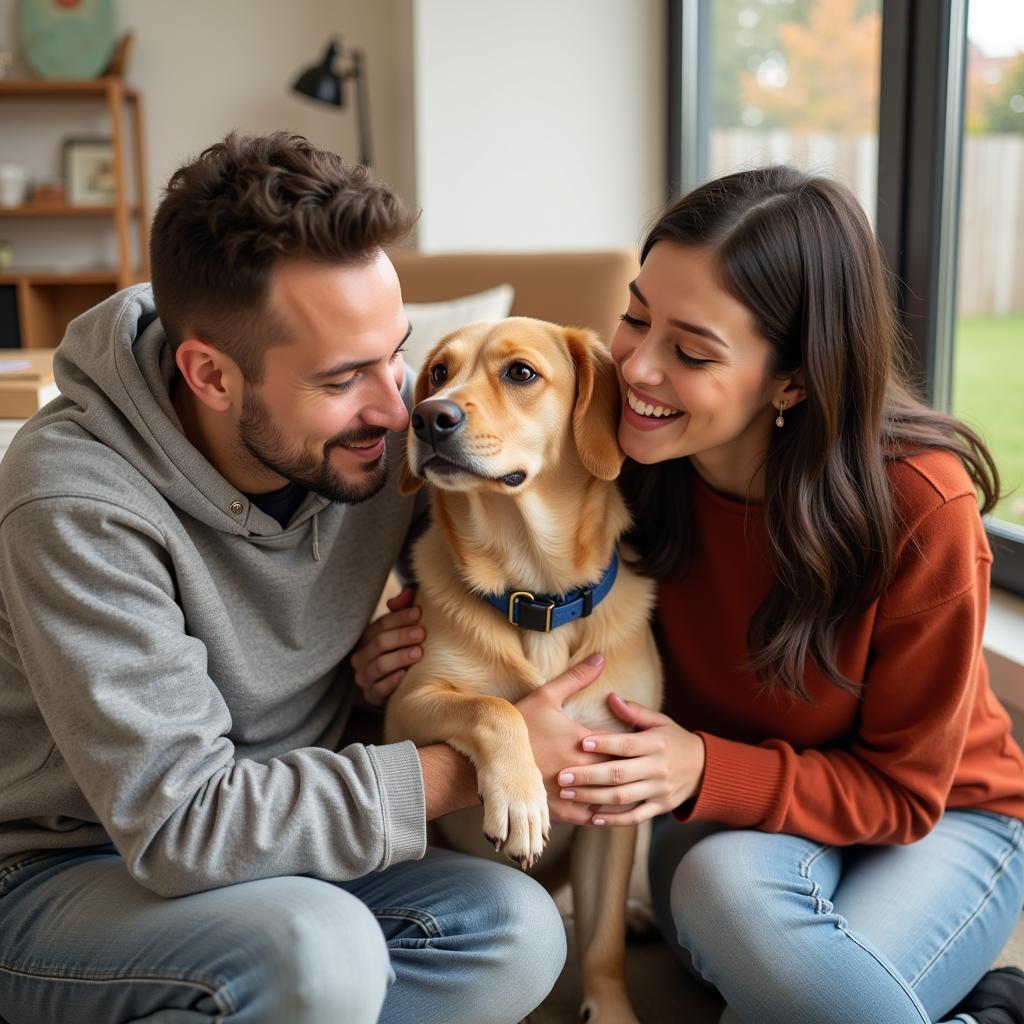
(794, 932)
(448, 939)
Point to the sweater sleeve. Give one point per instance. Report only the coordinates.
(890, 782)
(145, 733)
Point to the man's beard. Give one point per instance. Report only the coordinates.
(260, 438)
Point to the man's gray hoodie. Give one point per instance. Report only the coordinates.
(173, 673)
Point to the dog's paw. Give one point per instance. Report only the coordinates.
(516, 813)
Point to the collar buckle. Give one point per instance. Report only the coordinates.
(545, 612)
(546, 606)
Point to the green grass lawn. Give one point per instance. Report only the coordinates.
(988, 393)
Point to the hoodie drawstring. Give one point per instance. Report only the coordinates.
(316, 538)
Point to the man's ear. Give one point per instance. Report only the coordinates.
(408, 482)
(595, 417)
(213, 376)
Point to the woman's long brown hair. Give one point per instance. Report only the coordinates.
(799, 253)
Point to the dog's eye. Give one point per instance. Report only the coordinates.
(438, 374)
(520, 373)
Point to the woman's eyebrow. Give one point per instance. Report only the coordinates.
(704, 332)
(683, 325)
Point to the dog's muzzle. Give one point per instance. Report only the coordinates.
(436, 420)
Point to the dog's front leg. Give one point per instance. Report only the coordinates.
(491, 732)
(602, 859)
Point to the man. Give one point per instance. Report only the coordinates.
(192, 540)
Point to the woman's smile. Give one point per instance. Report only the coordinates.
(647, 413)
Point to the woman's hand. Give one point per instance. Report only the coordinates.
(387, 648)
(654, 769)
(556, 738)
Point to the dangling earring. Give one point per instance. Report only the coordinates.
(779, 421)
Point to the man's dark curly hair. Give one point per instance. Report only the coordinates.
(239, 208)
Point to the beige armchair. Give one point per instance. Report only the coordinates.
(579, 289)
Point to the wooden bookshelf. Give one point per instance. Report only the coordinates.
(65, 87)
(55, 276)
(46, 298)
(64, 210)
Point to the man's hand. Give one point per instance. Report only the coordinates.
(556, 739)
(388, 646)
(449, 781)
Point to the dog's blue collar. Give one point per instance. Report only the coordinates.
(545, 612)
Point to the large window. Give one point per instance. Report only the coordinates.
(988, 351)
(919, 108)
(779, 96)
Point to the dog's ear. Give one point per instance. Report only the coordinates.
(595, 417)
(408, 482)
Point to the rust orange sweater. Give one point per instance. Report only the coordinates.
(926, 733)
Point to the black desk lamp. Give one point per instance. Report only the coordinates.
(323, 83)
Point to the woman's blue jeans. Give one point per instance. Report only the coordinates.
(448, 939)
(794, 932)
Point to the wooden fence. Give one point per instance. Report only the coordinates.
(990, 260)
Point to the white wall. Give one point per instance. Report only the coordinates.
(515, 126)
(539, 124)
(204, 67)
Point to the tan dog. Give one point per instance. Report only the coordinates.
(515, 426)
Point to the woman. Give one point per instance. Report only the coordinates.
(846, 840)
(845, 843)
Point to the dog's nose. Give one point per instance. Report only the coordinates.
(437, 419)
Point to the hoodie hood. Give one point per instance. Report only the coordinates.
(114, 369)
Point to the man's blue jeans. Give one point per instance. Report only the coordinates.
(793, 932)
(449, 939)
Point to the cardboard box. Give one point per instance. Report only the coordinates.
(26, 381)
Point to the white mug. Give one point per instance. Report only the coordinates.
(13, 184)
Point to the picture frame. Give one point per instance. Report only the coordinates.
(90, 177)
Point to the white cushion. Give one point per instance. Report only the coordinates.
(431, 321)
(8, 428)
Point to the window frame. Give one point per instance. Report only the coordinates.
(920, 147)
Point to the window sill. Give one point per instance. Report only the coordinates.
(1004, 647)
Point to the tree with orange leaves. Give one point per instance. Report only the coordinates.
(825, 76)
